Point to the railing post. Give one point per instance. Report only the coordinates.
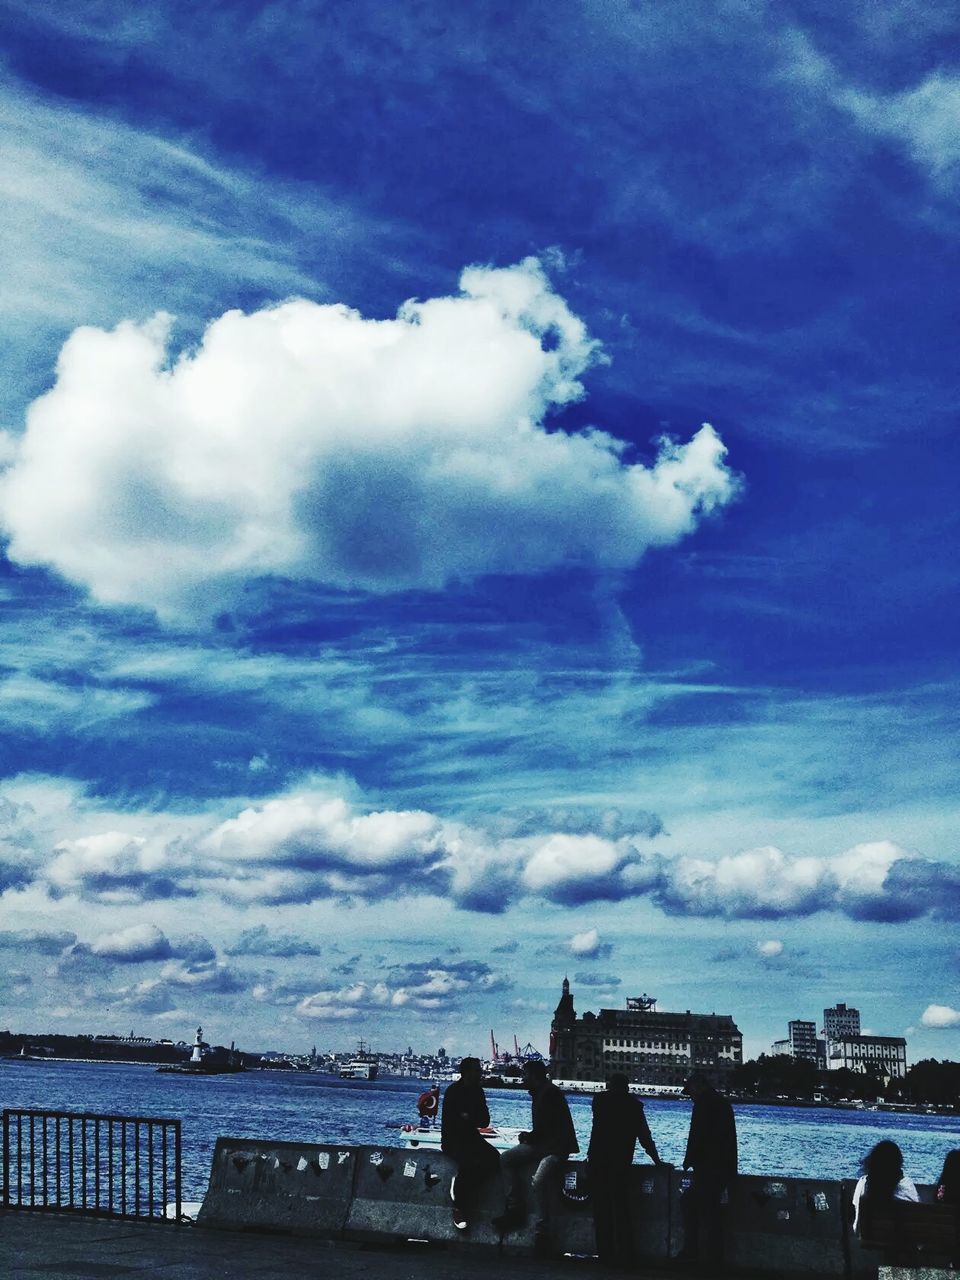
(176, 1130)
(6, 1159)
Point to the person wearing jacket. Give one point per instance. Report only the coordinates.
(541, 1154)
(712, 1156)
(464, 1113)
(619, 1122)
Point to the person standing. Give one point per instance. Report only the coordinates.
(712, 1156)
(465, 1112)
(619, 1122)
(542, 1152)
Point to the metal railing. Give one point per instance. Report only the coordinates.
(109, 1166)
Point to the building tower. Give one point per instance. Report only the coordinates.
(840, 1021)
(565, 1015)
(562, 1026)
(803, 1040)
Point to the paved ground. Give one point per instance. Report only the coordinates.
(35, 1245)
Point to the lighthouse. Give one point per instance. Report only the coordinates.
(197, 1055)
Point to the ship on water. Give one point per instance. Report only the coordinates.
(362, 1067)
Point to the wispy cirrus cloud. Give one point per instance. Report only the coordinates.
(37, 941)
(924, 119)
(263, 941)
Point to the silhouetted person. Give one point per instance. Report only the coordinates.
(712, 1156)
(881, 1183)
(619, 1122)
(542, 1152)
(948, 1184)
(948, 1192)
(464, 1112)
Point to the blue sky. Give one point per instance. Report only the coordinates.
(478, 505)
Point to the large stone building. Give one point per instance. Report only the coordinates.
(648, 1046)
(846, 1047)
(886, 1055)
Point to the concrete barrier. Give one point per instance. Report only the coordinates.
(916, 1273)
(401, 1195)
(654, 1194)
(786, 1225)
(291, 1187)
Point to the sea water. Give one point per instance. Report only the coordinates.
(801, 1142)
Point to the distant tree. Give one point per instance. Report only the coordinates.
(933, 1081)
(846, 1083)
(775, 1075)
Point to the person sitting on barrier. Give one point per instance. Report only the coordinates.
(948, 1184)
(619, 1122)
(544, 1150)
(881, 1183)
(464, 1112)
(712, 1156)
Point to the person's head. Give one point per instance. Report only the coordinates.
(470, 1070)
(534, 1075)
(697, 1084)
(618, 1083)
(884, 1169)
(950, 1174)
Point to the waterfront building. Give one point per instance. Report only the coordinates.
(840, 1021)
(801, 1043)
(649, 1046)
(803, 1040)
(887, 1055)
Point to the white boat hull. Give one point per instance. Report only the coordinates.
(499, 1137)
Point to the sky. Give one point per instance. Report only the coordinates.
(477, 506)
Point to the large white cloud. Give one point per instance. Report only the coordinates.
(319, 842)
(309, 442)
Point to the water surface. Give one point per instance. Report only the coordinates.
(296, 1106)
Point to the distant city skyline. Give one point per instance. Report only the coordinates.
(478, 504)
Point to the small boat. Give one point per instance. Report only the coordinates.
(500, 1137)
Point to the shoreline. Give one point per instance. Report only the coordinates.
(906, 1109)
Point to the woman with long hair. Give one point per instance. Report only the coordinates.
(882, 1181)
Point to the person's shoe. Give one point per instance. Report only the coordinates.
(459, 1219)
